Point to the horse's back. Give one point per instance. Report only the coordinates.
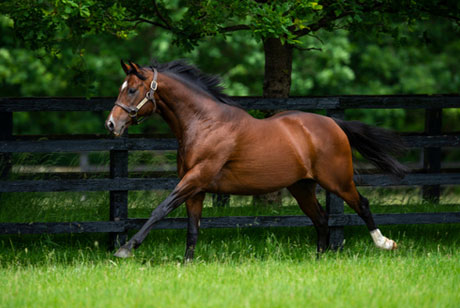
(322, 131)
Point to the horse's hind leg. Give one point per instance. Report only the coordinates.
(360, 204)
(304, 192)
(194, 209)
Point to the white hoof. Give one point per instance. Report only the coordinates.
(123, 253)
(383, 242)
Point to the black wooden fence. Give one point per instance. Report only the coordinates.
(430, 177)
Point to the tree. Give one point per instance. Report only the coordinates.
(280, 26)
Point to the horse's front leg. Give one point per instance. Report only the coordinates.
(194, 209)
(190, 185)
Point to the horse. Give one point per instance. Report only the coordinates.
(223, 149)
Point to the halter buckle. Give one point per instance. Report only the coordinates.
(150, 95)
(133, 113)
(154, 85)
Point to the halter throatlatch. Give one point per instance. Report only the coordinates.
(149, 96)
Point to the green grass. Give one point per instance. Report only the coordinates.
(235, 268)
(267, 267)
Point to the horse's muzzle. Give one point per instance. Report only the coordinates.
(112, 128)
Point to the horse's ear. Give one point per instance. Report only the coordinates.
(125, 67)
(134, 66)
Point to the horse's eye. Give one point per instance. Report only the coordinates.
(132, 91)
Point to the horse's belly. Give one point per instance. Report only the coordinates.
(257, 177)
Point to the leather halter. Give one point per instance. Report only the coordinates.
(149, 96)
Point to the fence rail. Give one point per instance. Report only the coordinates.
(118, 183)
(247, 102)
(225, 222)
(133, 143)
(125, 183)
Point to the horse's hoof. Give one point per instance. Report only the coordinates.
(389, 245)
(123, 253)
(395, 246)
(383, 242)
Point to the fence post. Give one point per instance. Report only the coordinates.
(432, 156)
(118, 198)
(334, 204)
(6, 133)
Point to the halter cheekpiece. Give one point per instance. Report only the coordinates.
(149, 96)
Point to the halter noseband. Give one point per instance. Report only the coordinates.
(149, 96)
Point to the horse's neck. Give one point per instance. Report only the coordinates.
(183, 107)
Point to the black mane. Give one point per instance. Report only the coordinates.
(211, 84)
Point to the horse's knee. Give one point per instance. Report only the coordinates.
(364, 202)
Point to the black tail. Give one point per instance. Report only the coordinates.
(376, 144)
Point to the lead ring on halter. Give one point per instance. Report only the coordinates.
(149, 96)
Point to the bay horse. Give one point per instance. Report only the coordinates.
(223, 149)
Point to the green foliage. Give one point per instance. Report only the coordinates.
(84, 41)
(52, 24)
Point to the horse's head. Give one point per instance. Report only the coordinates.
(136, 98)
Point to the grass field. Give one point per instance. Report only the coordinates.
(274, 267)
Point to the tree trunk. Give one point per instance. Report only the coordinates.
(277, 84)
(278, 68)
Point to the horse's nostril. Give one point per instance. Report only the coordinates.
(110, 126)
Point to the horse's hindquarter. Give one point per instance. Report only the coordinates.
(269, 154)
